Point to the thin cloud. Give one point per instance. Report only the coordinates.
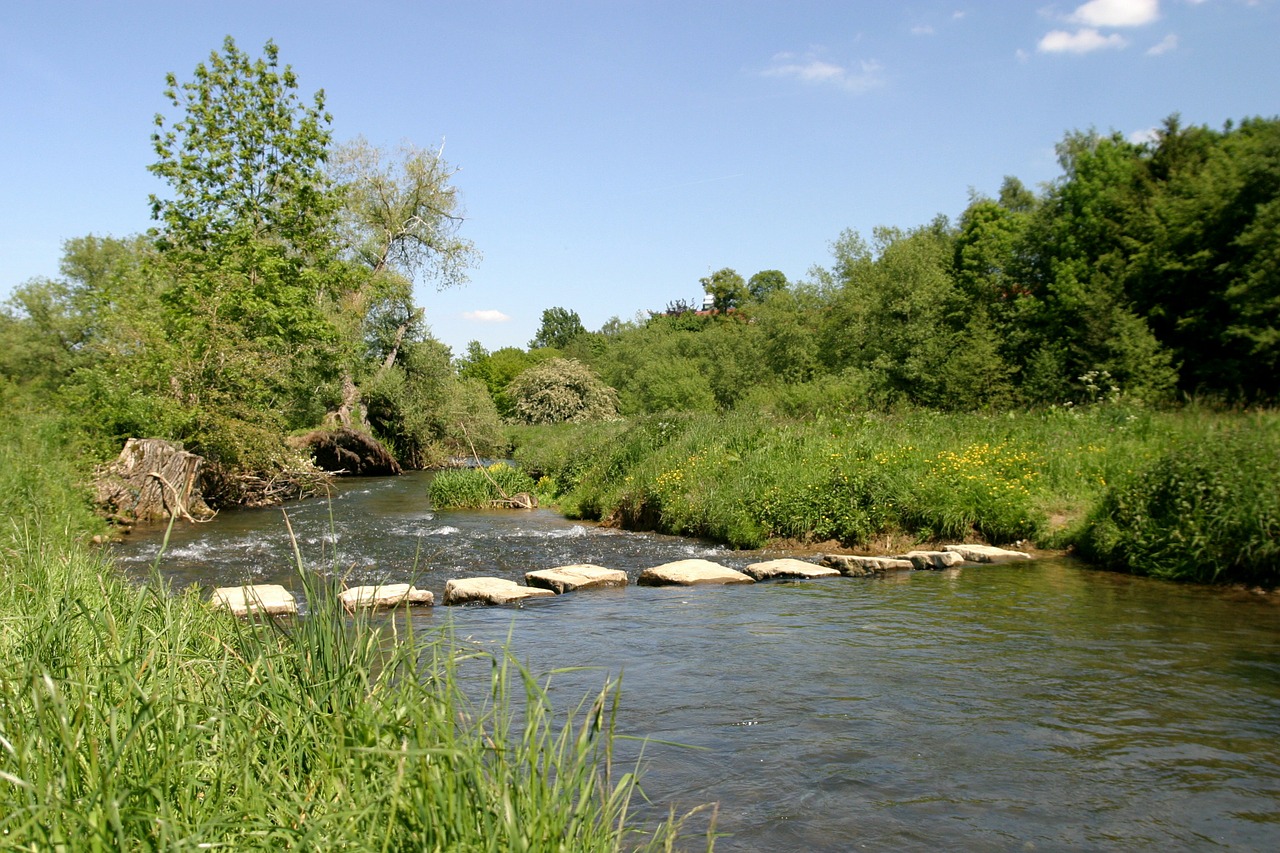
(485, 315)
(1117, 13)
(1168, 43)
(922, 30)
(1141, 137)
(818, 72)
(1084, 40)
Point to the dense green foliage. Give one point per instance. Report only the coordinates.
(1148, 270)
(1099, 476)
(132, 718)
(1207, 509)
(273, 295)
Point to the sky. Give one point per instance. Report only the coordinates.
(612, 154)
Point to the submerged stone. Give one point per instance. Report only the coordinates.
(490, 591)
(384, 596)
(269, 598)
(986, 553)
(564, 579)
(858, 566)
(691, 573)
(932, 559)
(788, 568)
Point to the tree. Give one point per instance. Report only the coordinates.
(561, 391)
(401, 212)
(248, 233)
(726, 289)
(764, 283)
(559, 327)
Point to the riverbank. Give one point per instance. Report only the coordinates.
(1105, 481)
(135, 717)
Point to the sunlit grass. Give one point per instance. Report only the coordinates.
(136, 718)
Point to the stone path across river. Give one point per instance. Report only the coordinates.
(274, 599)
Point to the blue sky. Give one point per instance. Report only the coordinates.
(613, 153)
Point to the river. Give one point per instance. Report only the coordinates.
(1035, 706)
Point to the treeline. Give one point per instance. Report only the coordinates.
(1148, 271)
(273, 295)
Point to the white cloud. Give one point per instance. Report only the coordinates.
(812, 70)
(1150, 134)
(1168, 43)
(1117, 13)
(1084, 40)
(922, 30)
(486, 315)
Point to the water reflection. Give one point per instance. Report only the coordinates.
(1038, 706)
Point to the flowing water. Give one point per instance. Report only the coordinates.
(1039, 706)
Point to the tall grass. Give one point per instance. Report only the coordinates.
(747, 479)
(133, 718)
(472, 488)
(1206, 509)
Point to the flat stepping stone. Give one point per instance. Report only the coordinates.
(986, 553)
(269, 598)
(932, 559)
(490, 591)
(788, 568)
(859, 566)
(385, 596)
(564, 579)
(691, 573)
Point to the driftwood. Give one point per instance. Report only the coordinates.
(152, 480)
(347, 451)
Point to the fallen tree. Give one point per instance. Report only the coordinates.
(348, 451)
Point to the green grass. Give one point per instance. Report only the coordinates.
(132, 718)
(473, 488)
(746, 479)
(1207, 509)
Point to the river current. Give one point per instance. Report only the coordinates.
(1033, 706)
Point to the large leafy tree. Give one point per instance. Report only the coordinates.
(248, 234)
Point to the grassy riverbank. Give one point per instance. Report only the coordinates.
(135, 719)
(879, 480)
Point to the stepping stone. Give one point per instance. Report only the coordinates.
(986, 553)
(385, 596)
(564, 579)
(690, 573)
(788, 568)
(858, 566)
(269, 598)
(490, 591)
(932, 559)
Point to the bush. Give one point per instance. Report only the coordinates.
(1206, 510)
(562, 390)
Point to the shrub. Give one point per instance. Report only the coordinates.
(562, 390)
(1206, 510)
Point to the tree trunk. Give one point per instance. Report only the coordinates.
(152, 480)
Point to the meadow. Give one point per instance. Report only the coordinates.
(1189, 494)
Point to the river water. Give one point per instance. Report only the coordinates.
(1039, 706)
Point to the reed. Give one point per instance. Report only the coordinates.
(474, 488)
